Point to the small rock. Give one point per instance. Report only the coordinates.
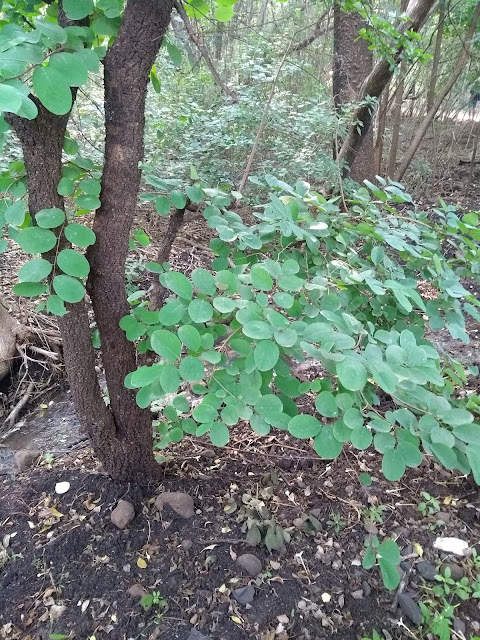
(452, 545)
(302, 605)
(357, 595)
(407, 551)
(136, 591)
(410, 608)
(405, 565)
(207, 454)
(298, 522)
(123, 514)
(250, 564)
(244, 595)
(459, 626)
(341, 601)
(456, 571)
(442, 517)
(187, 544)
(426, 570)
(367, 589)
(180, 502)
(25, 458)
(195, 634)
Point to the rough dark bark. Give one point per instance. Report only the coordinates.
(127, 66)
(436, 56)
(174, 223)
(417, 12)
(352, 62)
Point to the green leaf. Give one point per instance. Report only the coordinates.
(66, 187)
(456, 417)
(190, 337)
(78, 9)
(51, 30)
(266, 355)
(36, 240)
(390, 576)
(365, 479)
(224, 13)
(468, 433)
(258, 330)
(361, 438)
(326, 444)
(200, 310)
(326, 405)
(204, 281)
(260, 278)
(79, 235)
(473, 456)
(194, 194)
(52, 90)
(304, 426)
(389, 551)
(353, 418)
(56, 306)
(178, 199)
(283, 299)
(88, 202)
(393, 465)
(145, 375)
(445, 455)
(369, 558)
(178, 283)
(174, 53)
(10, 99)
(163, 205)
(71, 67)
(352, 374)
(169, 378)
(30, 289)
(268, 406)
(68, 289)
(70, 147)
(34, 270)
(204, 412)
(191, 369)
(219, 434)
(73, 263)
(224, 305)
(171, 313)
(15, 213)
(166, 344)
(50, 218)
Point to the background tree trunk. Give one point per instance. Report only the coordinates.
(436, 56)
(352, 62)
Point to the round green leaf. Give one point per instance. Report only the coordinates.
(204, 412)
(50, 218)
(326, 405)
(144, 375)
(445, 455)
(224, 305)
(261, 279)
(66, 187)
(390, 576)
(166, 344)
(393, 465)
(52, 90)
(219, 434)
(204, 281)
(30, 289)
(353, 418)
(163, 205)
(10, 99)
(171, 313)
(365, 479)
(326, 445)
(224, 13)
(286, 338)
(15, 213)
(468, 433)
(88, 202)
(178, 283)
(304, 426)
(352, 374)
(361, 438)
(283, 299)
(411, 454)
(200, 310)
(190, 337)
(191, 369)
(169, 378)
(36, 240)
(34, 270)
(269, 405)
(266, 355)
(56, 306)
(68, 288)
(389, 551)
(71, 67)
(195, 194)
(258, 330)
(73, 263)
(178, 199)
(51, 30)
(77, 9)
(79, 235)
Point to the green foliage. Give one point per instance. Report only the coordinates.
(429, 505)
(387, 555)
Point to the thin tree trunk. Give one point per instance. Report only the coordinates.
(442, 94)
(417, 12)
(197, 41)
(352, 61)
(436, 57)
(127, 66)
(381, 124)
(397, 120)
(318, 31)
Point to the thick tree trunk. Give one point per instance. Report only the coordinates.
(127, 66)
(352, 62)
(417, 12)
(442, 94)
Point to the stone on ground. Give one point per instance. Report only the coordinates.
(180, 502)
(25, 458)
(123, 514)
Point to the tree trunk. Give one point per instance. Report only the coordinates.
(442, 94)
(127, 66)
(417, 12)
(352, 61)
(121, 435)
(381, 124)
(436, 57)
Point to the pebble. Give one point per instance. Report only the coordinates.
(250, 564)
(405, 565)
(459, 626)
(407, 551)
(410, 608)
(187, 545)
(244, 595)
(456, 571)
(442, 517)
(180, 502)
(137, 591)
(25, 458)
(123, 514)
(426, 570)
(367, 589)
(357, 595)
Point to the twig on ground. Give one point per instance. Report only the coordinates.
(12, 416)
